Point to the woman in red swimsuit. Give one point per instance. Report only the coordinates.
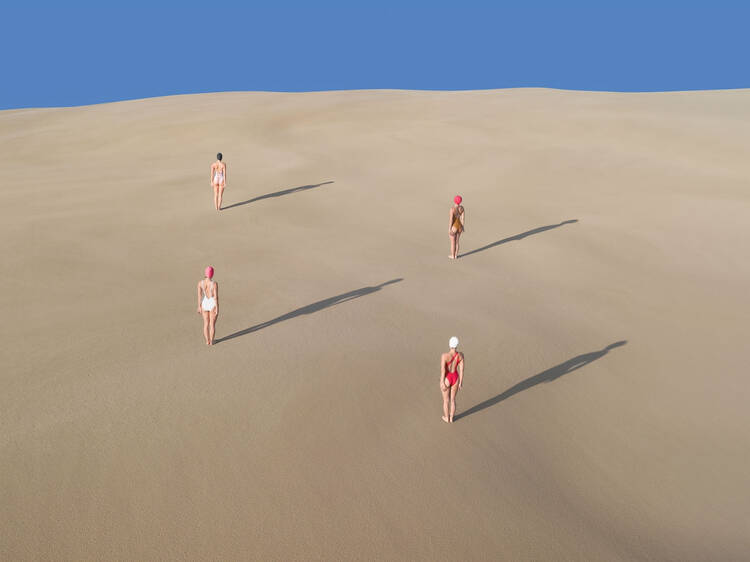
(451, 378)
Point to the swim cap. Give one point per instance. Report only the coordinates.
(209, 272)
(453, 342)
(457, 199)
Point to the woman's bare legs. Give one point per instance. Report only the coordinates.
(453, 245)
(453, 392)
(446, 398)
(206, 322)
(212, 326)
(456, 238)
(221, 194)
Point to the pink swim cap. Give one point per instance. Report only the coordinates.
(457, 199)
(209, 272)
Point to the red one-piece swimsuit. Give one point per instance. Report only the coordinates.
(452, 376)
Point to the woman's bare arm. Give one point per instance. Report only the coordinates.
(461, 371)
(216, 293)
(442, 371)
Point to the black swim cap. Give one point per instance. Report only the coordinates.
(218, 156)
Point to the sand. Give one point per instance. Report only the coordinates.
(601, 302)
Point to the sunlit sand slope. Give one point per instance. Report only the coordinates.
(601, 301)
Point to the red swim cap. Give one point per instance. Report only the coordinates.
(209, 272)
(457, 199)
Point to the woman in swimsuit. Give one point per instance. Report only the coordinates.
(451, 378)
(208, 304)
(456, 225)
(218, 180)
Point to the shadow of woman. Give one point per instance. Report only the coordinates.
(276, 194)
(310, 308)
(551, 374)
(518, 237)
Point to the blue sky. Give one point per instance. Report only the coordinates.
(75, 53)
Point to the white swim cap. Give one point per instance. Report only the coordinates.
(453, 342)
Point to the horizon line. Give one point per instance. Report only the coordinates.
(460, 90)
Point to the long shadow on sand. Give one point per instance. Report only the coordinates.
(549, 375)
(310, 308)
(276, 194)
(517, 237)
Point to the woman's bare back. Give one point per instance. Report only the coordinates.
(218, 167)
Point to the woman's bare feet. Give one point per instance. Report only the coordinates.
(445, 419)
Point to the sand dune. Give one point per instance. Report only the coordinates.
(601, 301)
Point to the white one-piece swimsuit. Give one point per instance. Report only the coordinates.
(208, 303)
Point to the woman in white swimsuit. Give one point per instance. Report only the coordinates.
(208, 304)
(218, 180)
